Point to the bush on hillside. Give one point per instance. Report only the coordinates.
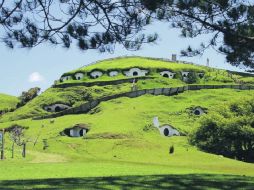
(192, 78)
(28, 96)
(228, 131)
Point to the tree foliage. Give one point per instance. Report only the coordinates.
(228, 131)
(100, 24)
(92, 24)
(229, 22)
(28, 96)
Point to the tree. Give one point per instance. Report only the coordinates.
(16, 136)
(92, 24)
(228, 131)
(28, 96)
(100, 24)
(230, 22)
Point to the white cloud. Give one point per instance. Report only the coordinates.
(36, 77)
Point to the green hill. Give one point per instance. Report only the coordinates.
(122, 143)
(7, 101)
(77, 92)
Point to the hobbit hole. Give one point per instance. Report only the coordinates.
(166, 132)
(56, 107)
(78, 130)
(165, 75)
(198, 111)
(113, 73)
(135, 73)
(79, 76)
(96, 74)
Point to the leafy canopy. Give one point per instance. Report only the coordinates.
(100, 24)
(228, 131)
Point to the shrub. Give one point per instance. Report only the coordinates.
(171, 149)
(228, 131)
(192, 78)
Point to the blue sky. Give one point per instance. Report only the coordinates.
(22, 69)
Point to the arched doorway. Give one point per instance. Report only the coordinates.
(166, 75)
(81, 132)
(135, 73)
(197, 112)
(57, 109)
(166, 132)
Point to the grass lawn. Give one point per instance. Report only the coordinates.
(7, 101)
(176, 182)
(123, 148)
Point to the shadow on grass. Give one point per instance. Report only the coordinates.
(175, 182)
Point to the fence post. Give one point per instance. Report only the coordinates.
(2, 148)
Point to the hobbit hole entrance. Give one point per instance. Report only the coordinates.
(166, 75)
(197, 112)
(57, 109)
(166, 132)
(135, 73)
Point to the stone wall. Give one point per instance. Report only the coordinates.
(86, 107)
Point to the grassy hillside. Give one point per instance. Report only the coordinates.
(121, 138)
(7, 101)
(74, 96)
(122, 147)
(153, 65)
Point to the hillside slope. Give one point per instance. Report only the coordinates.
(7, 101)
(78, 87)
(121, 137)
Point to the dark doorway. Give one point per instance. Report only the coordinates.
(79, 78)
(135, 73)
(57, 109)
(81, 133)
(166, 132)
(201, 76)
(166, 75)
(197, 112)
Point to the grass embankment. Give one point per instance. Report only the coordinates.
(74, 96)
(8, 102)
(122, 142)
(154, 66)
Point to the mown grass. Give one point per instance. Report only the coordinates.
(176, 182)
(120, 64)
(7, 101)
(74, 96)
(129, 62)
(122, 142)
